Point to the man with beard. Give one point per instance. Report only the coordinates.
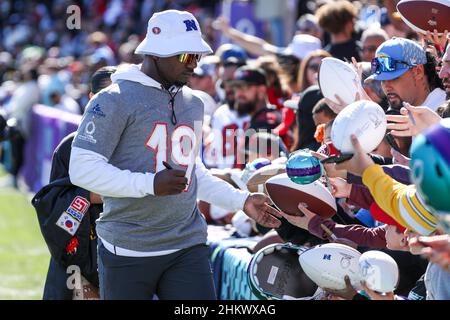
(408, 74)
(231, 57)
(226, 123)
(251, 98)
(141, 153)
(444, 73)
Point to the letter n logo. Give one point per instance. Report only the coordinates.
(190, 25)
(327, 257)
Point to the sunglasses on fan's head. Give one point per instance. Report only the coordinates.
(388, 64)
(188, 58)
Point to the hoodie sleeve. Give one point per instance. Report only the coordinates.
(102, 125)
(91, 171)
(218, 192)
(97, 137)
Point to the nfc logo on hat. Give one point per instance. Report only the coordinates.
(326, 257)
(190, 25)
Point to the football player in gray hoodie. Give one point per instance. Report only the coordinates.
(138, 146)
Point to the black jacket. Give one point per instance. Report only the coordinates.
(305, 122)
(67, 218)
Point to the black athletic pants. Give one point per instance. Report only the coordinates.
(183, 275)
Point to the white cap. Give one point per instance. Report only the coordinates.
(379, 270)
(173, 32)
(302, 44)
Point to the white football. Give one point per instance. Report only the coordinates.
(363, 118)
(328, 264)
(286, 195)
(280, 160)
(379, 270)
(338, 77)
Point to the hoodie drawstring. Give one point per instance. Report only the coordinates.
(172, 104)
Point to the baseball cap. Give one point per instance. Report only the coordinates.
(101, 78)
(204, 69)
(249, 75)
(302, 44)
(232, 54)
(397, 55)
(173, 32)
(307, 22)
(380, 215)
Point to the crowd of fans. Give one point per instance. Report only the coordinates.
(266, 84)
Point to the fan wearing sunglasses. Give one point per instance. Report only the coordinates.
(407, 74)
(371, 39)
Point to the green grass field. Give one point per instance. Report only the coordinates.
(23, 253)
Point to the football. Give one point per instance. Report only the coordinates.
(251, 168)
(274, 273)
(425, 15)
(280, 160)
(286, 195)
(363, 118)
(226, 175)
(232, 176)
(255, 182)
(329, 263)
(379, 270)
(337, 77)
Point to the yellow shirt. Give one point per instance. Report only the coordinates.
(400, 201)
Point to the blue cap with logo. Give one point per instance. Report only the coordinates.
(396, 56)
(233, 54)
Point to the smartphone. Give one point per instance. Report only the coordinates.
(338, 158)
(390, 139)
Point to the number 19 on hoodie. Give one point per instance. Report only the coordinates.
(181, 144)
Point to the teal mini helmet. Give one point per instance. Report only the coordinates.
(430, 166)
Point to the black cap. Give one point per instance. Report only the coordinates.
(249, 75)
(101, 78)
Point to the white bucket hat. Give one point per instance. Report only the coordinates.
(173, 32)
